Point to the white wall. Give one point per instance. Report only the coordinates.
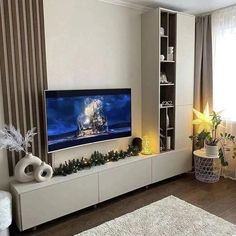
(92, 44)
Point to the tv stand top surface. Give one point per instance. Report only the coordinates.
(26, 187)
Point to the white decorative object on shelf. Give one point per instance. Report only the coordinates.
(167, 120)
(163, 78)
(170, 54)
(20, 168)
(168, 143)
(43, 172)
(162, 31)
(5, 211)
(162, 57)
(12, 140)
(170, 57)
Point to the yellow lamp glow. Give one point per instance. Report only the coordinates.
(203, 120)
(146, 145)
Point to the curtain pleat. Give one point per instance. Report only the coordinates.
(203, 81)
(23, 70)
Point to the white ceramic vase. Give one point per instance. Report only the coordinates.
(211, 150)
(43, 172)
(20, 168)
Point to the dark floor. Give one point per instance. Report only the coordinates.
(218, 199)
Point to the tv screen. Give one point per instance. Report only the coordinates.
(76, 117)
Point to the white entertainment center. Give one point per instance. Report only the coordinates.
(37, 203)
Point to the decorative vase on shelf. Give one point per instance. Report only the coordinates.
(211, 150)
(43, 172)
(20, 168)
(12, 140)
(168, 143)
(167, 121)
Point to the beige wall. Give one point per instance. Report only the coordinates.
(92, 44)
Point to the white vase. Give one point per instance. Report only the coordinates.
(211, 150)
(167, 121)
(20, 168)
(43, 168)
(168, 143)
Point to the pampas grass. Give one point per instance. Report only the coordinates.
(12, 140)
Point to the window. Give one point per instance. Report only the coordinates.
(224, 62)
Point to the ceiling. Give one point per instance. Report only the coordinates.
(189, 6)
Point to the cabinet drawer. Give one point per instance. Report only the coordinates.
(123, 179)
(169, 164)
(57, 200)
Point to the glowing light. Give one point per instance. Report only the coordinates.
(146, 145)
(203, 120)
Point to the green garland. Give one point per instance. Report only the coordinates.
(96, 159)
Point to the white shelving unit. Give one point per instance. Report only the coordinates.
(179, 32)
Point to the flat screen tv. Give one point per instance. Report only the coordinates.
(76, 117)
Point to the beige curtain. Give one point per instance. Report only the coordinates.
(203, 85)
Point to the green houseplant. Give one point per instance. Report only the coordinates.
(209, 136)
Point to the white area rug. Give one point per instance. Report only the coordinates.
(169, 216)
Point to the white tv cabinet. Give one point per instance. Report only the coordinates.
(37, 203)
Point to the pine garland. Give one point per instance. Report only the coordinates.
(96, 159)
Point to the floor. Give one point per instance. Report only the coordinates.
(218, 199)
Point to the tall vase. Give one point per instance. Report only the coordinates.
(167, 121)
(43, 172)
(20, 168)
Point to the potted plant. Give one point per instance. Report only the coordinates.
(209, 136)
(212, 140)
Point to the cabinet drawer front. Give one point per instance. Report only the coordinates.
(185, 59)
(169, 164)
(184, 127)
(123, 179)
(42, 205)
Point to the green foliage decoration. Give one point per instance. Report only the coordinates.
(96, 159)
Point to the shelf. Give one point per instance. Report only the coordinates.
(167, 61)
(170, 128)
(170, 84)
(31, 186)
(166, 107)
(170, 150)
(164, 36)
